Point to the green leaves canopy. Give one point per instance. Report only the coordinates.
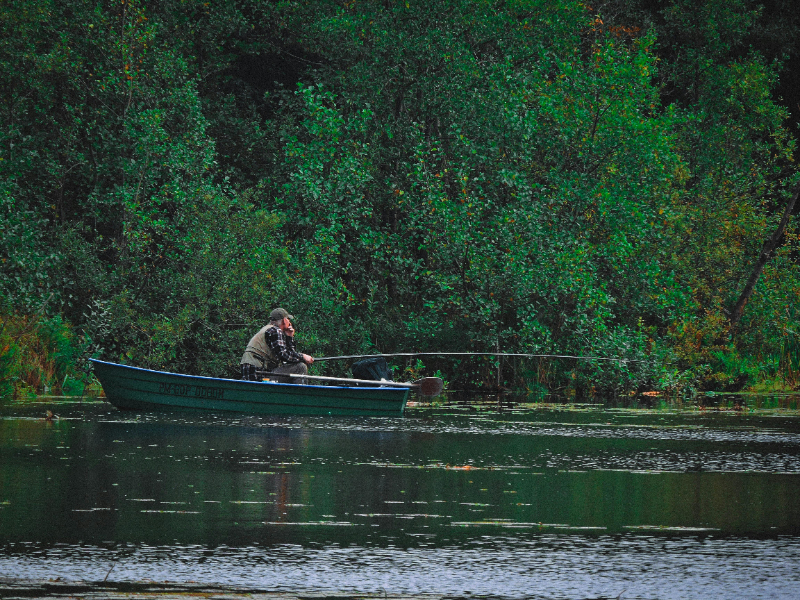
(527, 176)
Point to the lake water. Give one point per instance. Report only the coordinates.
(534, 503)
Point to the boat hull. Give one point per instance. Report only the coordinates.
(133, 388)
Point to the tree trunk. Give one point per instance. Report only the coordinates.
(763, 258)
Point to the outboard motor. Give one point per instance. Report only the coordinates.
(373, 369)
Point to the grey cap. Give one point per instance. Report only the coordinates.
(278, 314)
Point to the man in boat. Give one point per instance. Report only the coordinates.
(273, 349)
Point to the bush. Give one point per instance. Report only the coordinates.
(39, 355)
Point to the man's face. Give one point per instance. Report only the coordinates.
(284, 324)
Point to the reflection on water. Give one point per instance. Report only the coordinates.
(516, 503)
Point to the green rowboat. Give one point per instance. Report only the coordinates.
(133, 388)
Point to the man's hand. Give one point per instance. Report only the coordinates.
(308, 359)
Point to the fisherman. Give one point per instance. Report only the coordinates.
(272, 349)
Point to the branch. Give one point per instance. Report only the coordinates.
(763, 258)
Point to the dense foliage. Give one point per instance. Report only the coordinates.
(527, 176)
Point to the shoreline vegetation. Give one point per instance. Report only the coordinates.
(617, 179)
(44, 357)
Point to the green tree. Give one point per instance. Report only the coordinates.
(532, 175)
(116, 216)
(486, 178)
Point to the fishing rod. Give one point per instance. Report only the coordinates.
(427, 386)
(502, 354)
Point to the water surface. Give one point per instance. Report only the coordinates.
(505, 503)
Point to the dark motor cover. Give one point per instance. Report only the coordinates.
(373, 369)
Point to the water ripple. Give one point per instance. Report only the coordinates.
(552, 566)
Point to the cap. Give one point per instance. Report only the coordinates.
(278, 314)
